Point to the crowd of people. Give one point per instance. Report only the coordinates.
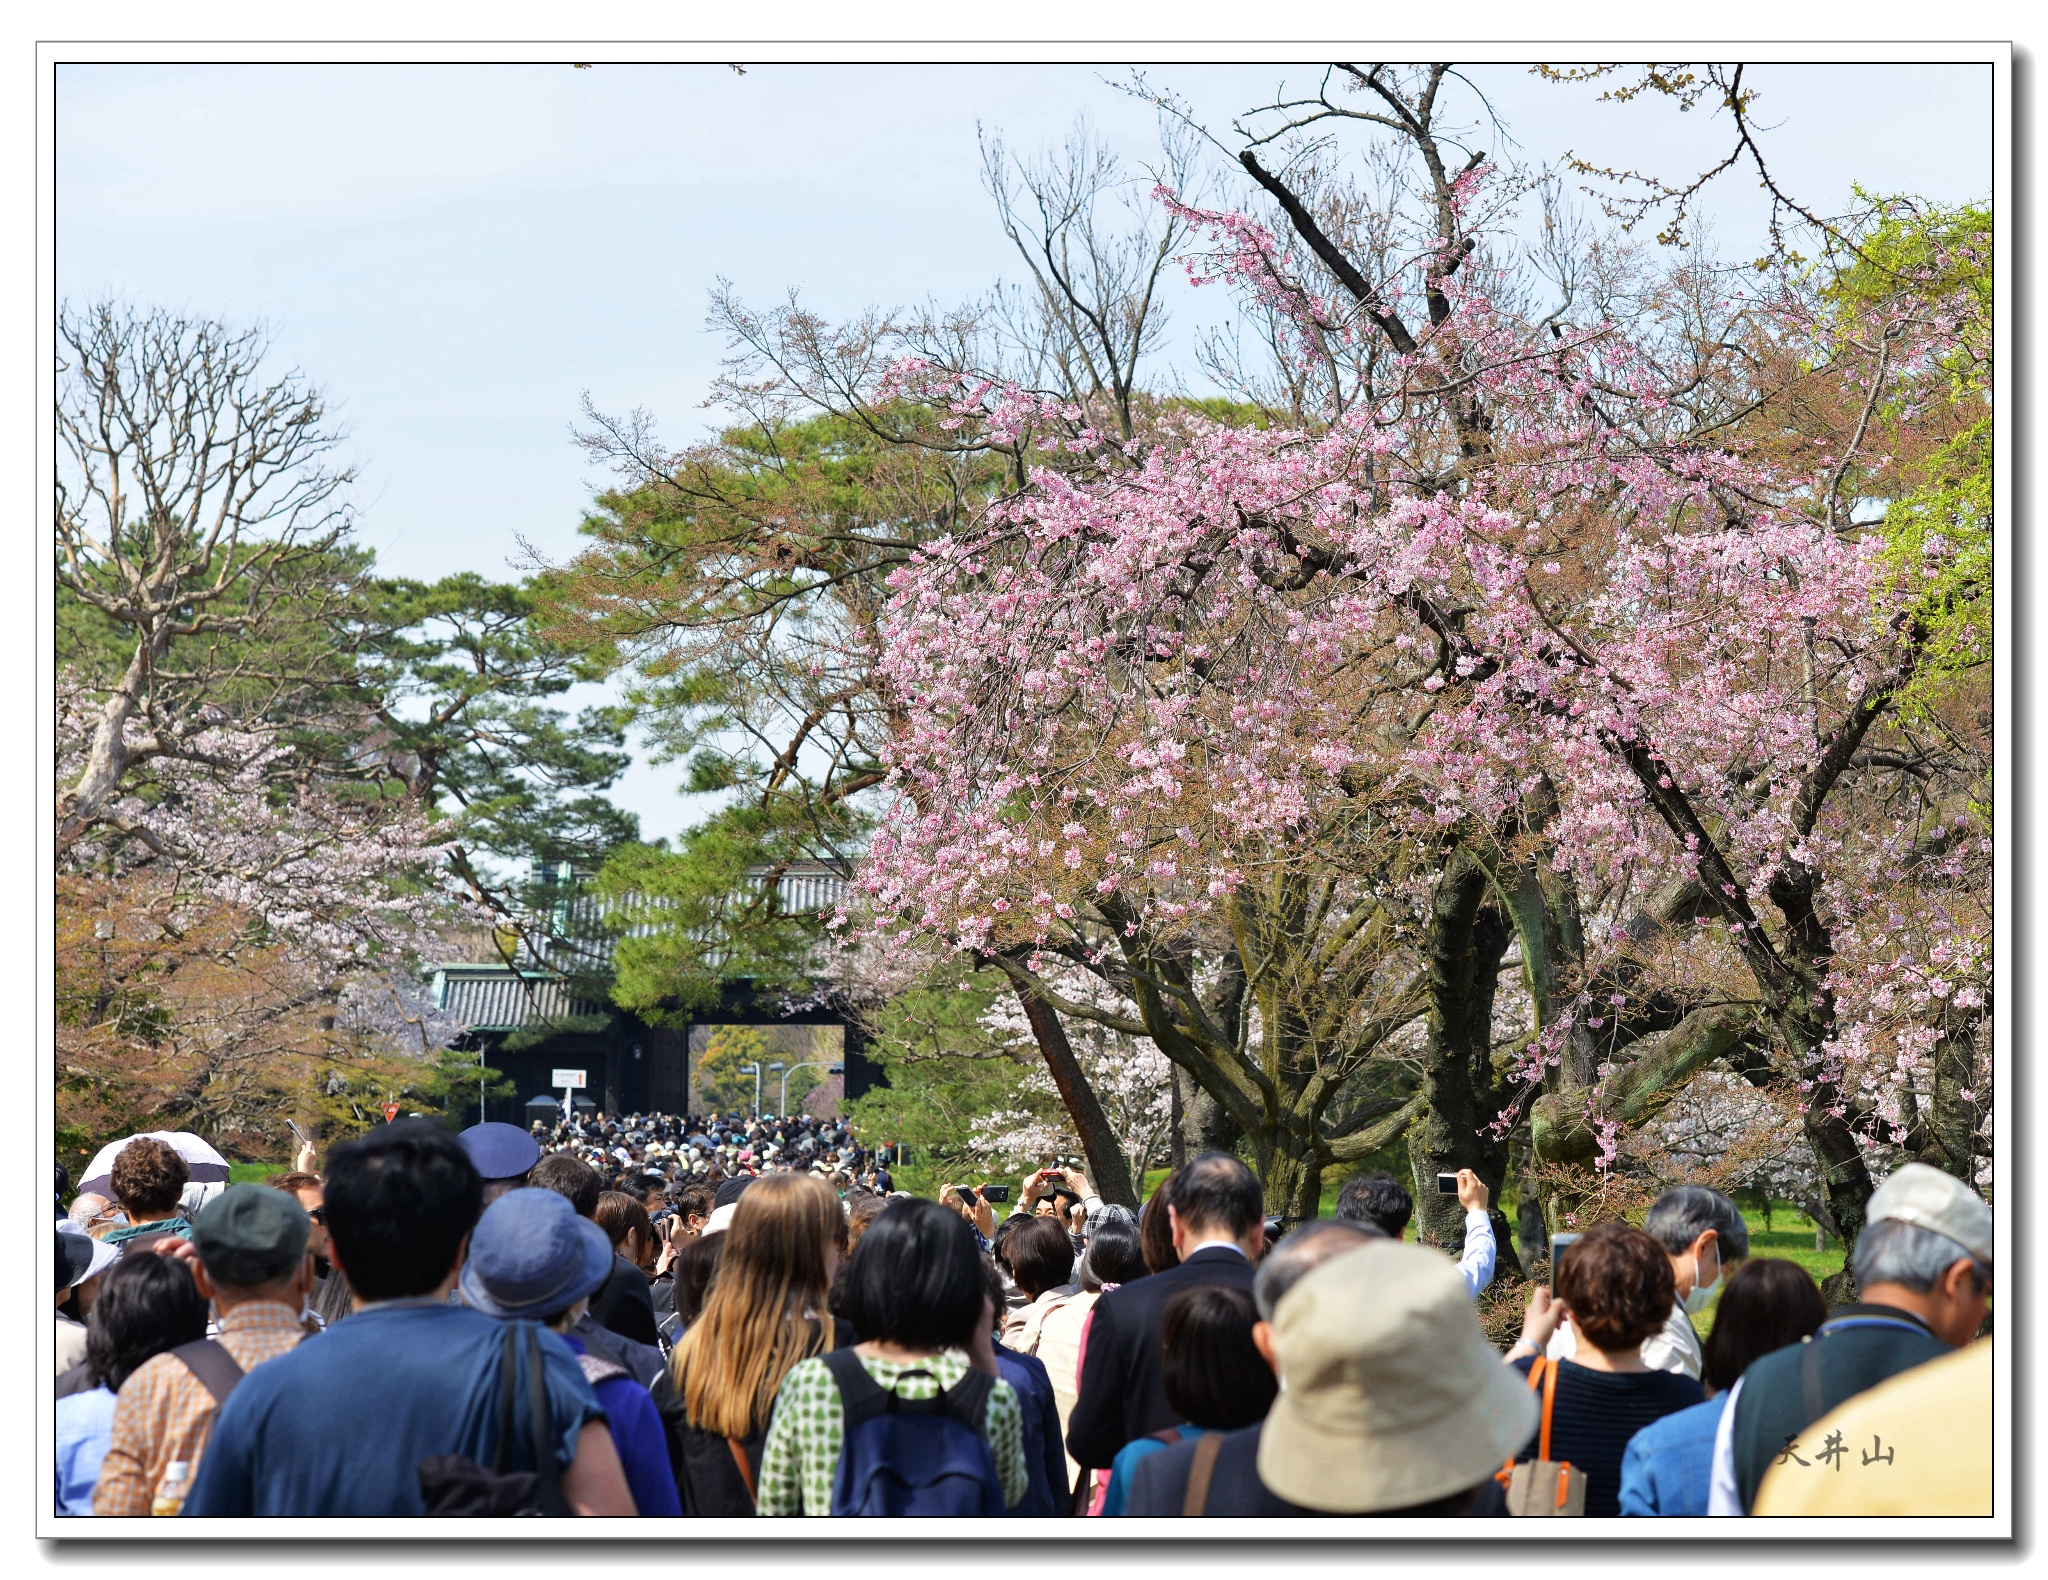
(714, 1317)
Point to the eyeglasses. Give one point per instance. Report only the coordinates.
(317, 1214)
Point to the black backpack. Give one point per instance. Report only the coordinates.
(456, 1486)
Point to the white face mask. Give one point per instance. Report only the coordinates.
(1696, 1302)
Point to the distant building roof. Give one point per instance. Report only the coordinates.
(581, 929)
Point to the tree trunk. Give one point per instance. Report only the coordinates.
(1948, 1138)
(1293, 1186)
(1107, 1168)
(1201, 1123)
(1532, 1229)
(1466, 943)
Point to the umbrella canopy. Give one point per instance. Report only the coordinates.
(543, 1101)
(206, 1166)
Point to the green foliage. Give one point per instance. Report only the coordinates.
(721, 1082)
(943, 1077)
(1938, 550)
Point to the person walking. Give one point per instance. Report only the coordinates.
(532, 1259)
(252, 1265)
(1214, 1376)
(147, 1305)
(766, 1312)
(623, 1305)
(419, 1373)
(916, 1295)
(1217, 1216)
(1765, 1305)
(1114, 1258)
(1704, 1235)
(1923, 1264)
(1392, 1402)
(81, 1260)
(1615, 1283)
(148, 1181)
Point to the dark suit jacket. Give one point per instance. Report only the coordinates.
(623, 1304)
(1122, 1395)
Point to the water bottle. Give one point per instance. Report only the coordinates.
(170, 1496)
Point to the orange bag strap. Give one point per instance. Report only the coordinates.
(1549, 1403)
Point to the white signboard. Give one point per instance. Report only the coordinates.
(571, 1078)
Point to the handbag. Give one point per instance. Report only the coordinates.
(1543, 1486)
(456, 1486)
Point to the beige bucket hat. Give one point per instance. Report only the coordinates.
(1389, 1393)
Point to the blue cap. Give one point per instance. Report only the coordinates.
(531, 1256)
(500, 1152)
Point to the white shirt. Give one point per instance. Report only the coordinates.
(1722, 1495)
(1675, 1347)
(1480, 1252)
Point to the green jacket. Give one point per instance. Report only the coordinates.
(1785, 1392)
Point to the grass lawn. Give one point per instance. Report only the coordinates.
(254, 1173)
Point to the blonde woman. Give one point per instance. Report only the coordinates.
(765, 1312)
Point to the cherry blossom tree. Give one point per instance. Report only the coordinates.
(1560, 646)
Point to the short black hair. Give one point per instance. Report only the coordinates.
(915, 1278)
(1115, 1255)
(147, 1305)
(1040, 1254)
(399, 1201)
(1215, 1191)
(1213, 1374)
(1377, 1199)
(568, 1175)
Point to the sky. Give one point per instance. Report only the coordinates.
(457, 253)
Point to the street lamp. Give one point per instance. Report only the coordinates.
(808, 1064)
(778, 1066)
(755, 1070)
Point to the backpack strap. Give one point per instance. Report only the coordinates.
(1536, 1371)
(551, 1500)
(860, 1396)
(967, 1401)
(508, 1393)
(210, 1362)
(1201, 1473)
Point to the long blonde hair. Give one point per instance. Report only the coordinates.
(767, 1306)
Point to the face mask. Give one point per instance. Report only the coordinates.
(1696, 1302)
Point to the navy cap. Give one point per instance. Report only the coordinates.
(500, 1152)
(531, 1256)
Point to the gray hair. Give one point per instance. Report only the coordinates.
(1304, 1250)
(1680, 1216)
(1891, 1252)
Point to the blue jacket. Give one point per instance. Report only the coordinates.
(1667, 1465)
(1043, 1451)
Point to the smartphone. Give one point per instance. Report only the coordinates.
(995, 1193)
(1447, 1184)
(1557, 1244)
(968, 1196)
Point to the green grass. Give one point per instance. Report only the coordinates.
(254, 1173)
(1790, 1238)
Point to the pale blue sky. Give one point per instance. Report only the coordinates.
(457, 252)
